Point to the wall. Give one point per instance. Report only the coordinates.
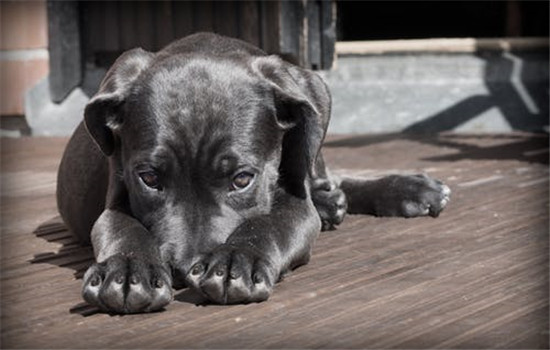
(24, 54)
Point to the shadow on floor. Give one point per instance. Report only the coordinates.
(531, 148)
(79, 258)
(71, 255)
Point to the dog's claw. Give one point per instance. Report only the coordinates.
(414, 195)
(330, 202)
(231, 275)
(106, 286)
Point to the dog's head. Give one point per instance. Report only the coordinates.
(200, 143)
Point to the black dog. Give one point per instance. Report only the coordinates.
(206, 170)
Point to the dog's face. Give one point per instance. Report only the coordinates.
(198, 143)
(201, 154)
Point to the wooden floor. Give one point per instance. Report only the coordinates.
(476, 277)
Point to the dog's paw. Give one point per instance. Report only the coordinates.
(413, 195)
(232, 275)
(330, 202)
(127, 285)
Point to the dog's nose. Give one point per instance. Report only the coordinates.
(178, 276)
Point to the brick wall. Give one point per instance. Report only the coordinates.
(23, 51)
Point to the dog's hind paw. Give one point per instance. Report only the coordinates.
(330, 202)
(412, 196)
(127, 285)
(232, 275)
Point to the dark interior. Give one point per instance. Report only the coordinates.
(385, 20)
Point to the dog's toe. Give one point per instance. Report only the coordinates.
(413, 195)
(330, 202)
(123, 285)
(231, 276)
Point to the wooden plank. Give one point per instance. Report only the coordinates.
(163, 19)
(293, 32)
(270, 16)
(182, 18)
(249, 21)
(64, 48)
(225, 18)
(328, 33)
(88, 14)
(111, 36)
(476, 277)
(203, 20)
(128, 25)
(314, 34)
(145, 25)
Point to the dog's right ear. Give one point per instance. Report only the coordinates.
(102, 114)
(296, 115)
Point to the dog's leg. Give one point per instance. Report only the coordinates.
(82, 183)
(129, 275)
(396, 195)
(258, 253)
(329, 200)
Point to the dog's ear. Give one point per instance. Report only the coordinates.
(102, 114)
(296, 114)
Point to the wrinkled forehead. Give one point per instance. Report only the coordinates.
(202, 85)
(203, 103)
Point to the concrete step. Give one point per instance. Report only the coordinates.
(492, 92)
(486, 92)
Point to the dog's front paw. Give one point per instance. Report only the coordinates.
(330, 202)
(127, 285)
(413, 195)
(232, 275)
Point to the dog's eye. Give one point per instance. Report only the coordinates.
(150, 178)
(242, 180)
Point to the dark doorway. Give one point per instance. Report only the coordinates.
(384, 20)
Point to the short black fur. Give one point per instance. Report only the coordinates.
(149, 177)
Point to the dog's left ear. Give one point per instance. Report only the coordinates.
(296, 113)
(103, 113)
